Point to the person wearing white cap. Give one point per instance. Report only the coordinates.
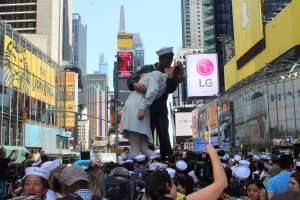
(158, 109)
(181, 166)
(141, 164)
(36, 182)
(54, 169)
(135, 122)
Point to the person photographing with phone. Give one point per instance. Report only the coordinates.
(4, 161)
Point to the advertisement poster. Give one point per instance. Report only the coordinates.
(203, 75)
(30, 72)
(70, 99)
(125, 64)
(212, 114)
(200, 143)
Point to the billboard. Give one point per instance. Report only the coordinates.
(125, 64)
(183, 125)
(70, 99)
(194, 125)
(247, 22)
(28, 71)
(125, 40)
(202, 72)
(212, 115)
(66, 99)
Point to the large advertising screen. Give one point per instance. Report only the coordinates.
(247, 22)
(125, 40)
(202, 72)
(125, 64)
(28, 71)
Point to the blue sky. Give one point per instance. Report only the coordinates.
(157, 21)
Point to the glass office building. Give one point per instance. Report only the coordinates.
(28, 94)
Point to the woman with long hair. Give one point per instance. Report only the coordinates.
(255, 190)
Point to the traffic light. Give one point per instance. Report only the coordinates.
(113, 119)
(205, 135)
(24, 116)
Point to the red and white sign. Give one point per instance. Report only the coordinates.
(125, 64)
(202, 72)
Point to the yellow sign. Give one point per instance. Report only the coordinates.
(125, 40)
(66, 99)
(28, 72)
(70, 99)
(247, 22)
(282, 35)
(61, 81)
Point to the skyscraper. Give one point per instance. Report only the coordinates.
(93, 97)
(45, 23)
(103, 66)
(138, 49)
(79, 43)
(192, 24)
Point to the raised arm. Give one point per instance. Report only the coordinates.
(214, 190)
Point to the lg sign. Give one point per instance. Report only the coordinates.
(202, 70)
(205, 67)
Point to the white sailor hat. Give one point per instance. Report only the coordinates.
(128, 161)
(256, 157)
(140, 158)
(51, 165)
(264, 157)
(37, 171)
(237, 158)
(181, 165)
(164, 50)
(245, 163)
(241, 172)
(153, 157)
(171, 172)
(225, 157)
(297, 164)
(156, 165)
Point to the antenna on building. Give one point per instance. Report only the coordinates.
(122, 20)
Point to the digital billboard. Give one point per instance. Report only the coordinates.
(125, 64)
(202, 73)
(125, 40)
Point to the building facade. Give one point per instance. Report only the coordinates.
(28, 98)
(94, 98)
(80, 43)
(138, 49)
(83, 135)
(45, 23)
(192, 24)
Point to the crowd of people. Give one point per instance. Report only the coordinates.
(213, 174)
(174, 175)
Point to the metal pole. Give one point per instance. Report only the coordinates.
(116, 90)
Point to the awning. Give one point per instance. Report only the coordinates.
(21, 151)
